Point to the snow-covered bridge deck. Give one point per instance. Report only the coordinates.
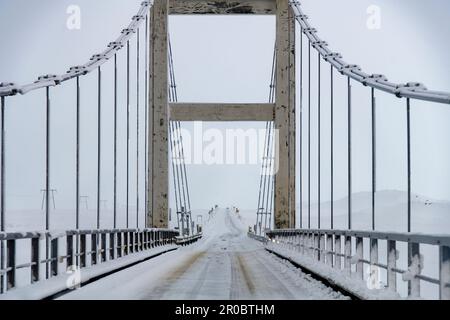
(225, 264)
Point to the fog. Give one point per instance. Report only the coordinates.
(227, 59)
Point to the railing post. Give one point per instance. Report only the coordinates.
(145, 233)
(136, 241)
(360, 256)
(11, 263)
(306, 243)
(126, 243)
(373, 268)
(112, 245)
(144, 240)
(300, 236)
(337, 252)
(35, 259)
(415, 267)
(69, 251)
(157, 238)
(322, 247)
(82, 252)
(302, 243)
(391, 265)
(329, 250)
(348, 254)
(119, 246)
(293, 240)
(54, 263)
(444, 273)
(139, 241)
(373, 251)
(131, 243)
(104, 248)
(311, 244)
(94, 247)
(286, 239)
(151, 239)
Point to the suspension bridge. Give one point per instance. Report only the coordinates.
(286, 254)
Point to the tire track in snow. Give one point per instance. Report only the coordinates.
(196, 290)
(173, 277)
(241, 286)
(246, 274)
(281, 288)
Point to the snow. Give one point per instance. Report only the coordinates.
(338, 277)
(429, 216)
(224, 264)
(44, 289)
(225, 246)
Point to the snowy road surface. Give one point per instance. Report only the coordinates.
(225, 264)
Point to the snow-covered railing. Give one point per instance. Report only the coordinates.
(344, 250)
(16, 247)
(186, 240)
(74, 249)
(257, 237)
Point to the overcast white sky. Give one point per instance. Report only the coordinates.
(228, 59)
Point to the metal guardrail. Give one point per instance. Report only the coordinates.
(121, 242)
(326, 246)
(411, 90)
(10, 89)
(257, 237)
(184, 241)
(77, 248)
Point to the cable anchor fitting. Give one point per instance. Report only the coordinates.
(349, 68)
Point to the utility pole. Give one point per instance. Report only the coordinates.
(44, 197)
